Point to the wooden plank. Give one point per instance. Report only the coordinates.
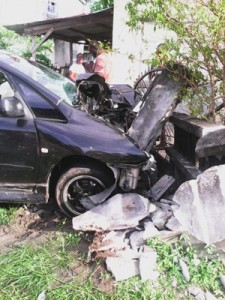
(35, 47)
(161, 186)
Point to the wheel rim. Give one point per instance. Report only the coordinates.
(79, 187)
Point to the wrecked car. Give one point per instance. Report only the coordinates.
(77, 144)
(48, 147)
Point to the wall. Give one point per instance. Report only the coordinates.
(25, 11)
(130, 48)
(15, 12)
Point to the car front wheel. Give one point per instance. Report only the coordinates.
(79, 182)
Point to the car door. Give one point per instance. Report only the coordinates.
(18, 139)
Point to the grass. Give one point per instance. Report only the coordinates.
(204, 274)
(57, 269)
(28, 271)
(7, 214)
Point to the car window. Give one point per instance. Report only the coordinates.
(55, 82)
(11, 104)
(5, 88)
(40, 107)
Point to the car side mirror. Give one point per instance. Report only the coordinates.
(11, 107)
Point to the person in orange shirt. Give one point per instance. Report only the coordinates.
(103, 61)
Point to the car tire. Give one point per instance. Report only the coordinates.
(81, 181)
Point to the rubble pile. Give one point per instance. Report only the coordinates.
(124, 223)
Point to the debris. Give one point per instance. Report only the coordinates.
(212, 143)
(161, 186)
(119, 212)
(196, 292)
(222, 279)
(167, 201)
(149, 230)
(163, 206)
(136, 239)
(41, 296)
(147, 265)
(158, 106)
(173, 225)
(209, 296)
(202, 205)
(196, 261)
(160, 217)
(112, 241)
(122, 267)
(184, 270)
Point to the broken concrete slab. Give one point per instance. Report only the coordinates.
(196, 292)
(167, 201)
(163, 205)
(209, 296)
(160, 217)
(202, 205)
(122, 268)
(149, 230)
(173, 225)
(136, 239)
(148, 266)
(184, 270)
(129, 263)
(119, 212)
(222, 280)
(212, 144)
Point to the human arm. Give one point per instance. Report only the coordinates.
(72, 76)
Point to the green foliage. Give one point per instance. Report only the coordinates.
(7, 38)
(7, 214)
(57, 268)
(200, 43)
(28, 270)
(204, 273)
(97, 5)
(17, 44)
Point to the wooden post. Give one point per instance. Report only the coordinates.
(33, 47)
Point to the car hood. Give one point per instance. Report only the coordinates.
(89, 136)
(159, 104)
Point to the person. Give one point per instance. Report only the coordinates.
(89, 67)
(103, 62)
(77, 67)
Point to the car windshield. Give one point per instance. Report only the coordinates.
(55, 82)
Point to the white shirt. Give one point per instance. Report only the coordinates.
(77, 68)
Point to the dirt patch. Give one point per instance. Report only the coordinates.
(35, 224)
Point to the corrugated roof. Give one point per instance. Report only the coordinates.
(96, 25)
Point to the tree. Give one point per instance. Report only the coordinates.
(97, 5)
(200, 29)
(22, 46)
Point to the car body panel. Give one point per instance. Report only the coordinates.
(88, 138)
(18, 149)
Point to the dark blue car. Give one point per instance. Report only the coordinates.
(48, 148)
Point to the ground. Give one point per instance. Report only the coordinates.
(63, 269)
(36, 224)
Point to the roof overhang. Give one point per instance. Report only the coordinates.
(98, 26)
